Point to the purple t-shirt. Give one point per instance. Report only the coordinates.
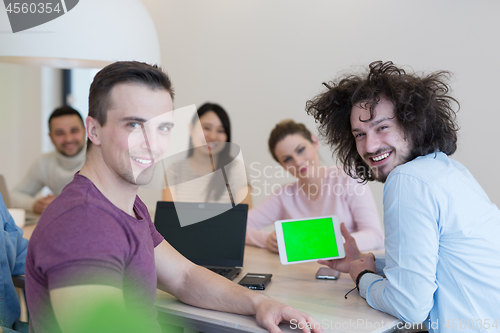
(82, 239)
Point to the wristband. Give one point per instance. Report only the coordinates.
(358, 278)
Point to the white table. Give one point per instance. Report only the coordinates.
(294, 285)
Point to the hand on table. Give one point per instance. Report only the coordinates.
(351, 253)
(272, 243)
(357, 266)
(42, 203)
(271, 313)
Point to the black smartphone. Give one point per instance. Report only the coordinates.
(255, 281)
(327, 273)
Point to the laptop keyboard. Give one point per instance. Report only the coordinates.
(220, 271)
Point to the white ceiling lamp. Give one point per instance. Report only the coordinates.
(88, 33)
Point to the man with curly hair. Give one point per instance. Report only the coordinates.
(441, 230)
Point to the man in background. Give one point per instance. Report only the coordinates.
(55, 169)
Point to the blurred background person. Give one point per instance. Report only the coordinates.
(194, 178)
(318, 191)
(55, 169)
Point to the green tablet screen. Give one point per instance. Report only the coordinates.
(309, 239)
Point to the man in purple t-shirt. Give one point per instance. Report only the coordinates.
(96, 241)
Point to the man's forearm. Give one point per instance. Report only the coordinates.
(22, 200)
(23, 195)
(205, 289)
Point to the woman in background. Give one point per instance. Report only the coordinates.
(318, 191)
(203, 160)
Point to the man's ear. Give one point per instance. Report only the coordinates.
(93, 128)
(52, 140)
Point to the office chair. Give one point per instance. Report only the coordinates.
(20, 326)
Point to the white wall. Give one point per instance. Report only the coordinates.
(28, 95)
(263, 59)
(20, 114)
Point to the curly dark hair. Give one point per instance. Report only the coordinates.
(119, 72)
(422, 106)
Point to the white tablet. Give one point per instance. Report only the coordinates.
(303, 240)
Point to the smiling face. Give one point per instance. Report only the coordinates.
(136, 133)
(212, 131)
(380, 141)
(67, 134)
(298, 155)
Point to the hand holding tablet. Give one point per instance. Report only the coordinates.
(304, 240)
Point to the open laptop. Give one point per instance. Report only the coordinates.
(217, 243)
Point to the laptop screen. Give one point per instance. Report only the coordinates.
(217, 241)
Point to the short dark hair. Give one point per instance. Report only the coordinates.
(65, 111)
(283, 129)
(151, 76)
(422, 106)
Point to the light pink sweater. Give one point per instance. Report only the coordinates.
(340, 195)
